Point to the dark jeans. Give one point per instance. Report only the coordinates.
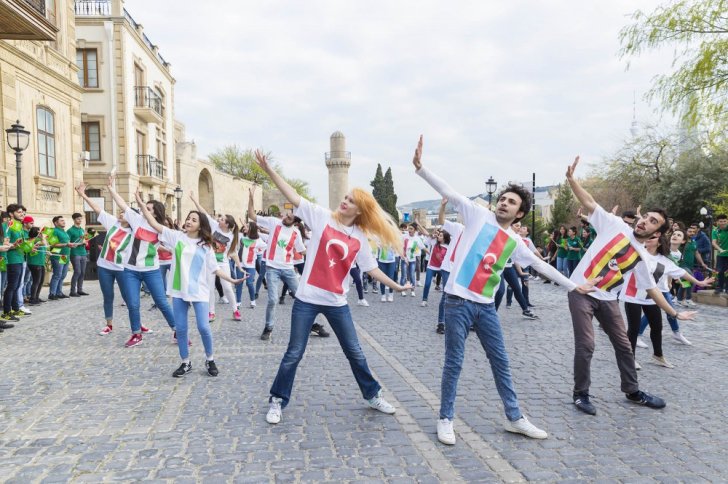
(721, 266)
(441, 308)
(389, 269)
(59, 274)
(654, 318)
(355, 274)
(10, 297)
(571, 265)
(303, 316)
(79, 272)
(510, 276)
(261, 277)
(38, 274)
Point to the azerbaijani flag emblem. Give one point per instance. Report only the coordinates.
(484, 262)
(611, 262)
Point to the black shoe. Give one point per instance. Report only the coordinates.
(74, 294)
(440, 328)
(581, 400)
(642, 398)
(4, 325)
(319, 330)
(256, 295)
(211, 368)
(39, 300)
(52, 297)
(81, 293)
(266, 334)
(9, 317)
(528, 314)
(33, 302)
(282, 300)
(61, 296)
(183, 369)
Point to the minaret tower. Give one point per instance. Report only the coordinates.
(338, 161)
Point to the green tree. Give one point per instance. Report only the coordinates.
(564, 210)
(389, 196)
(698, 31)
(378, 185)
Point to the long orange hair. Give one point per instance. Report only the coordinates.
(374, 221)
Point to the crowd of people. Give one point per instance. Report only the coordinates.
(645, 260)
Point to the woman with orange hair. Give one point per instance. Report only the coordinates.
(338, 240)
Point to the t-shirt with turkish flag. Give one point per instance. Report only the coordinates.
(282, 241)
(116, 240)
(332, 251)
(614, 253)
(249, 250)
(455, 230)
(662, 269)
(141, 254)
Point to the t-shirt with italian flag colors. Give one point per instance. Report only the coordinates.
(455, 230)
(332, 251)
(663, 270)
(386, 254)
(437, 255)
(282, 241)
(192, 264)
(249, 250)
(221, 241)
(141, 253)
(413, 246)
(612, 256)
(116, 240)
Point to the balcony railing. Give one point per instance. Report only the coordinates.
(148, 165)
(145, 97)
(38, 5)
(84, 8)
(338, 154)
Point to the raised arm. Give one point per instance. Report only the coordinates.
(582, 195)
(147, 214)
(117, 198)
(436, 182)
(199, 207)
(286, 189)
(441, 213)
(251, 205)
(81, 190)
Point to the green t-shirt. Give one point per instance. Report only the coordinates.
(14, 255)
(561, 251)
(63, 238)
(573, 243)
(38, 259)
(687, 261)
(722, 237)
(75, 234)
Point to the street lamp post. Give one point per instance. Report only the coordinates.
(178, 195)
(490, 186)
(18, 139)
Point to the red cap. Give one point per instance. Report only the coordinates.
(28, 219)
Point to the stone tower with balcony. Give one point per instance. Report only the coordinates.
(338, 161)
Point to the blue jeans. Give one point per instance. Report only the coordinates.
(510, 276)
(107, 278)
(562, 266)
(388, 268)
(460, 315)
(673, 322)
(302, 319)
(163, 271)
(201, 309)
(249, 283)
(10, 299)
(132, 283)
(273, 277)
(59, 273)
(428, 282)
(261, 276)
(441, 307)
(27, 283)
(79, 272)
(407, 273)
(356, 276)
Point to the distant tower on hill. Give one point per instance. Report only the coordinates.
(338, 161)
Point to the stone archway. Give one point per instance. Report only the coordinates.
(205, 192)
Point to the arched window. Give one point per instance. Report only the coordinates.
(46, 141)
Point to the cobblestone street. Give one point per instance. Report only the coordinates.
(78, 406)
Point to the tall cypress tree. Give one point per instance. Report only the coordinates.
(390, 198)
(378, 186)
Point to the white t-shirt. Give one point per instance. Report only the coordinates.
(249, 250)
(386, 254)
(141, 254)
(282, 241)
(413, 245)
(117, 238)
(614, 253)
(333, 250)
(455, 230)
(662, 270)
(192, 265)
(221, 241)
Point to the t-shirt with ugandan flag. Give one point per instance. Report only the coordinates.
(456, 231)
(662, 268)
(141, 253)
(282, 241)
(116, 240)
(332, 251)
(613, 255)
(192, 265)
(249, 250)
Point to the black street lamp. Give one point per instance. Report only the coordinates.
(178, 195)
(18, 139)
(707, 212)
(490, 187)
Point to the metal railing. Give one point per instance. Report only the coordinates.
(38, 5)
(84, 8)
(338, 154)
(148, 165)
(146, 40)
(145, 97)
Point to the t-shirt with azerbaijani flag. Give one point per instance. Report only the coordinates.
(192, 264)
(663, 270)
(456, 231)
(116, 240)
(221, 241)
(249, 250)
(282, 241)
(612, 256)
(333, 250)
(413, 246)
(141, 254)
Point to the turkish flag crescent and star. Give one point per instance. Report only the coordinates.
(334, 257)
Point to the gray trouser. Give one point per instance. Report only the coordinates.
(583, 309)
(79, 272)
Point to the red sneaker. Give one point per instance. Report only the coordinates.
(236, 315)
(146, 330)
(136, 339)
(105, 331)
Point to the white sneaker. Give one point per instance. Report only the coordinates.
(661, 361)
(689, 303)
(390, 297)
(404, 293)
(274, 412)
(224, 300)
(366, 290)
(362, 302)
(423, 304)
(637, 366)
(412, 293)
(383, 298)
(677, 335)
(379, 403)
(252, 304)
(680, 303)
(641, 343)
(523, 426)
(25, 310)
(419, 283)
(445, 433)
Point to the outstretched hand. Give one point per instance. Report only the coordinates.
(262, 160)
(110, 182)
(443, 202)
(81, 188)
(572, 168)
(686, 315)
(138, 196)
(417, 159)
(588, 286)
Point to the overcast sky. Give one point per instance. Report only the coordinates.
(498, 89)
